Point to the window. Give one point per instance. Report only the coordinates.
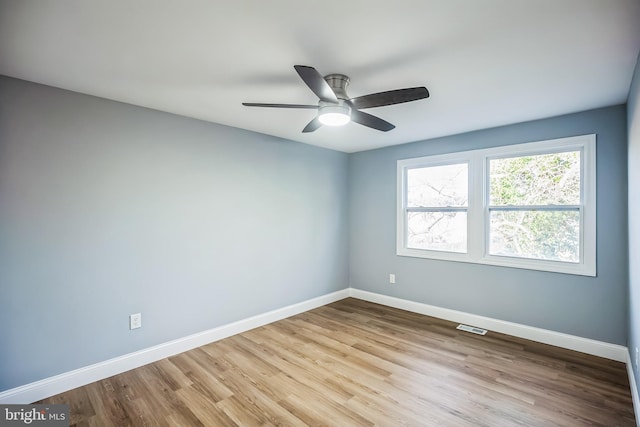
(525, 206)
(437, 202)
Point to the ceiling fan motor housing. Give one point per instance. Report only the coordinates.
(338, 83)
(331, 114)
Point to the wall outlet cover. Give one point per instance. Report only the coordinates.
(135, 321)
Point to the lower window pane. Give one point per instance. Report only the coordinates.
(546, 235)
(437, 231)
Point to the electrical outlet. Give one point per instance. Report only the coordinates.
(392, 278)
(135, 321)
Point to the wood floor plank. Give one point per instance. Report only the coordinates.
(203, 407)
(202, 377)
(355, 363)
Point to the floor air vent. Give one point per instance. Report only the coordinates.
(472, 329)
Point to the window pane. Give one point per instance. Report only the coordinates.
(547, 235)
(548, 179)
(438, 186)
(438, 231)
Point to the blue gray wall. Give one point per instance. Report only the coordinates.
(633, 123)
(108, 209)
(584, 306)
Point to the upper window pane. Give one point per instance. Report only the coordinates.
(438, 186)
(546, 179)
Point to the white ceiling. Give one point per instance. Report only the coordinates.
(486, 63)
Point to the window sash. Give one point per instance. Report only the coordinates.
(579, 243)
(437, 209)
(536, 208)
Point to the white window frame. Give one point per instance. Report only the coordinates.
(478, 205)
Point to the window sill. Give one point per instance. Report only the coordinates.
(579, 269)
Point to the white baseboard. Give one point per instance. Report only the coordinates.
(60, 383)
(49, 386)
(572, 342)
(634, 389)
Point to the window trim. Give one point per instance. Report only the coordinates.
(430, 161)
(478, 205)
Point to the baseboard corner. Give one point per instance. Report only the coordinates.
(558, 339)
(46, 387)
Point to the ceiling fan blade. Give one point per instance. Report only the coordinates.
(316, 83)
(258, 104)
(312, 125)
(390, 97)
(368, 120)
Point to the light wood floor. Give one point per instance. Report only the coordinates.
(353, 363)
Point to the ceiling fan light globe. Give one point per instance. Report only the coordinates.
(334, 119)
(337, 115)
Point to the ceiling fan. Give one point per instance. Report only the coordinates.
(335, 108)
